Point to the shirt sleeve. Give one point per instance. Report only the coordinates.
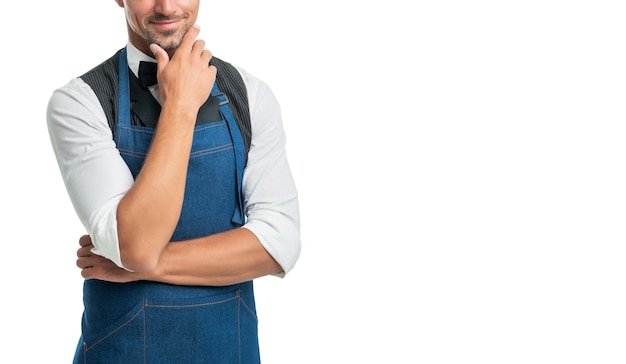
(270, 195)
(95, 175)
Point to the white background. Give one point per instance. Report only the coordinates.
(460, 166)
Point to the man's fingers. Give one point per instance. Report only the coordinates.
(85, 246)
(84, 240)
(206, 56)
(84, 263)
(84, 251)
(198, 46)
(160, 55)
(189, 39)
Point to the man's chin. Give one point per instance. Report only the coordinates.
(168, 45)
(167, 42)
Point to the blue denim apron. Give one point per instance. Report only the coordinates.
(151, 322)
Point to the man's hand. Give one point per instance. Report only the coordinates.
(186, 79)
(97, 267)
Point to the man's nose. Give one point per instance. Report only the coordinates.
(165, 7)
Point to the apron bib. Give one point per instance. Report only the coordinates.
(151, 322)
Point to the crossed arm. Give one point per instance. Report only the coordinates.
(226, 258)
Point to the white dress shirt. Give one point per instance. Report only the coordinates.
(96, 176)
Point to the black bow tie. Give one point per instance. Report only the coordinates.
(147, 73)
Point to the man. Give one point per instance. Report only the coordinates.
(184, 189)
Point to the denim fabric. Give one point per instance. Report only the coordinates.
(151, 322)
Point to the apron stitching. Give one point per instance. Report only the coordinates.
(203, 152)
(248, 308)
(87, 347)
(193, 305)
(239, 323)
(145, 354)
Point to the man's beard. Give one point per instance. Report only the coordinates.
(169, 40)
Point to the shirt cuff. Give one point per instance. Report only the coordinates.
(283, 246)
(103, 233)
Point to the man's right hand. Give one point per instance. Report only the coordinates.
(186, 79)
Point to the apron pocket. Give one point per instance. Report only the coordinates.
(198, 330)
(119, 342)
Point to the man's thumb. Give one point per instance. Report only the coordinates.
(160, 54)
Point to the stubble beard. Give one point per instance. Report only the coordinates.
(169, 40)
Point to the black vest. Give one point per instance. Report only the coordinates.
(103, 80)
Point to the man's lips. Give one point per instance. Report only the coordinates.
(165, 24)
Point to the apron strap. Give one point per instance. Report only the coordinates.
(239, 149)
